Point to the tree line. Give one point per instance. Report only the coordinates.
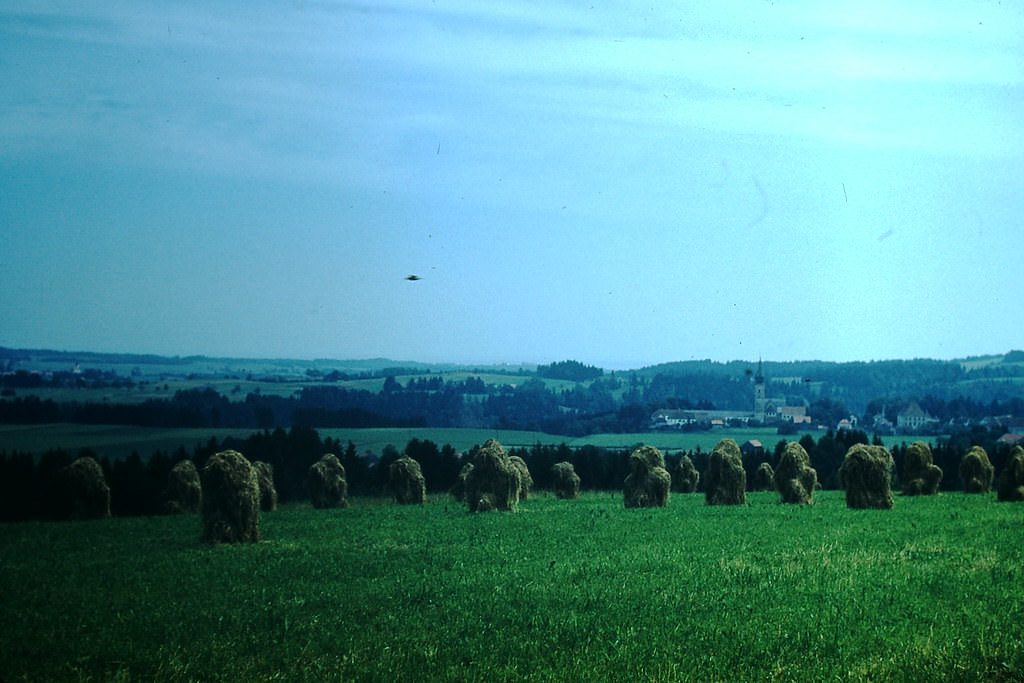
(605, 405)
(30, 486)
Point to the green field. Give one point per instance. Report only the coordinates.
(236, 388)
(114, 441)
(560, 590)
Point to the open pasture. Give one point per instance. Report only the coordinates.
(560, 590)
(115, 441)
(110, 441)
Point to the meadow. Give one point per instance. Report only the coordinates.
(116, 441)
(559, 590)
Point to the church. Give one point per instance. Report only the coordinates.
(774, 409)
(766, 410)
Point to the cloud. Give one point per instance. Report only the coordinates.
(318, 91)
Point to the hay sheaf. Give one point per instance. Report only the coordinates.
(866, 476)
(725, 481)
(493, 483)
(458, 489)
(764, 478)
(1011, 481)
(86, 488)
(265, 479)
(648, 483)
(795, 479)
(406, 480)
(566, 481)
(685, 477)
(525, 480)
(231, 499)
(326, 482)
(184, 492)
(921, 476)
(976, 471)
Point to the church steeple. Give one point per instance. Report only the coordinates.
(760, 399)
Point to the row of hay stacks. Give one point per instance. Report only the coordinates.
(648, 482)
(865, 476)
(230, 491)
(233, 491)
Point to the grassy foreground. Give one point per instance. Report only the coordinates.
(561, 590)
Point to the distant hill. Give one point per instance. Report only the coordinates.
(727, 385)
(565, 397)
(46, 360)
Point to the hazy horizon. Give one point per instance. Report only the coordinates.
(619, 185)
(496, 363)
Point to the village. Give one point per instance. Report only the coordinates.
(776, 411)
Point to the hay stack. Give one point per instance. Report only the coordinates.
(725, 482)
(764, 478)
(685, 477)
(795, 479)
(976, 471)
(184, 493)
(1011, 481)
(493, 482)
(86, 488)
(265, 479)
(921, 476)
(866, 476)
(231, 499)
(458, 489)
(648, 483)
(523, 472)
(405, 478)
(328, 487)
(566, 481)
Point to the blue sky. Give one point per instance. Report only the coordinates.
(619, 184)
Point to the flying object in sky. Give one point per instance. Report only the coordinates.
(413, 278)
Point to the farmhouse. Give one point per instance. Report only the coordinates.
(794, 414)
(752, 447)
(913, 417)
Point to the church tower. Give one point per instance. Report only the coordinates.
(760, 402)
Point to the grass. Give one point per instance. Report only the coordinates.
(112, 441)
(121, 441)
(561, 590)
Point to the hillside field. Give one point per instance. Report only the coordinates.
(560, 590)
(115, 441)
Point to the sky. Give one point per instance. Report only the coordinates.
(617, 184)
